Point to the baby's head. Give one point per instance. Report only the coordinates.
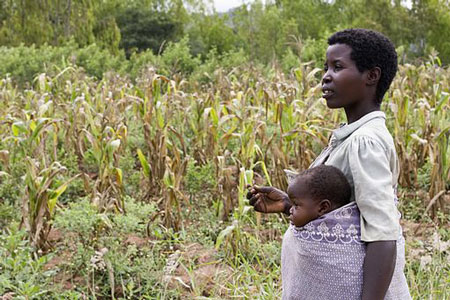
(317, 191)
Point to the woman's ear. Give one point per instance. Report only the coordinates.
(373, 76)
(323, 207)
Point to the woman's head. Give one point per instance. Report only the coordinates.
(369, 62)
(317, 191)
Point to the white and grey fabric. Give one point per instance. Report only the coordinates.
(324, 259)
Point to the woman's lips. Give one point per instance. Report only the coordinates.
(327, 93)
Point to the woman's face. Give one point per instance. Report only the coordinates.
(343, 85)
(304, 209)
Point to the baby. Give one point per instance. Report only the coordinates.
(322, 246)
(315, 192)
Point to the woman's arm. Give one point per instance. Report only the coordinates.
(267, 199)
(378, 269)
(373, 166)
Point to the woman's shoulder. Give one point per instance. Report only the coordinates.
(373, 132)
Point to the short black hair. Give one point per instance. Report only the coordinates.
(326, 182)
(370, 49)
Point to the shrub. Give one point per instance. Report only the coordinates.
(20, 272)
(200, 178)
(139, 61)
(136, 219)
(178, 59)
(23, 63)
(81, 217)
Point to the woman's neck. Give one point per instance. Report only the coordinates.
(356, 112)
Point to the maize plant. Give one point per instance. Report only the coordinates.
(419, 102)
(42, 190)
(233, 237)
(42, 183)
(167, 163)
(226, 182)
(155, 127)
(240, 120)
(100, 130)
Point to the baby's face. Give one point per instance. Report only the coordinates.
(304, 209)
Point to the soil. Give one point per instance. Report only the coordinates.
(197, 271)
(140, 242)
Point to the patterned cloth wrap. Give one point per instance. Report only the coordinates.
(324, 259)
(340, 226)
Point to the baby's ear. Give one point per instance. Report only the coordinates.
(324, 207)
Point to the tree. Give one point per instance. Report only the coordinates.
(55, 22)
(146, 29)
(432, 26)
(207, 32)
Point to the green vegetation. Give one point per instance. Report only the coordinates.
(128, 136)
(125, 36)
(138, 190)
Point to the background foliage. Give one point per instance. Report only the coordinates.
(114, 31)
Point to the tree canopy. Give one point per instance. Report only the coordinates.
(263, 31)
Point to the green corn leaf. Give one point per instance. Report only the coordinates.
(52, 201)
(444, 99)
(58, 192)
(224, 233)
(18, 127)
(40, 125)
(298, 75)
(248, 177)
(266, 174)
(168, 179)
(119, 176)
(32, 125)
(144, 163)
(160, 118)
(214, 117)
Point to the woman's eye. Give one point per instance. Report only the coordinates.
(337, 67)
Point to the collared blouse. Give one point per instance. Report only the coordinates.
(364, 151)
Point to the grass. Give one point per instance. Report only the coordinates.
(140, 263)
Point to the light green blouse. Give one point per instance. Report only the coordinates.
(364, 151)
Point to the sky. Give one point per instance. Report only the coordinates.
(224, 5)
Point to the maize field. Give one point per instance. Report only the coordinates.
(126, 189)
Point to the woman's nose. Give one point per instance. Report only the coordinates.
(326, 78)
(291, 211)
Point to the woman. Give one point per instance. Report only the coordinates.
(360, 66)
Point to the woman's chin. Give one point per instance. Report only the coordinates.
(331, 103)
